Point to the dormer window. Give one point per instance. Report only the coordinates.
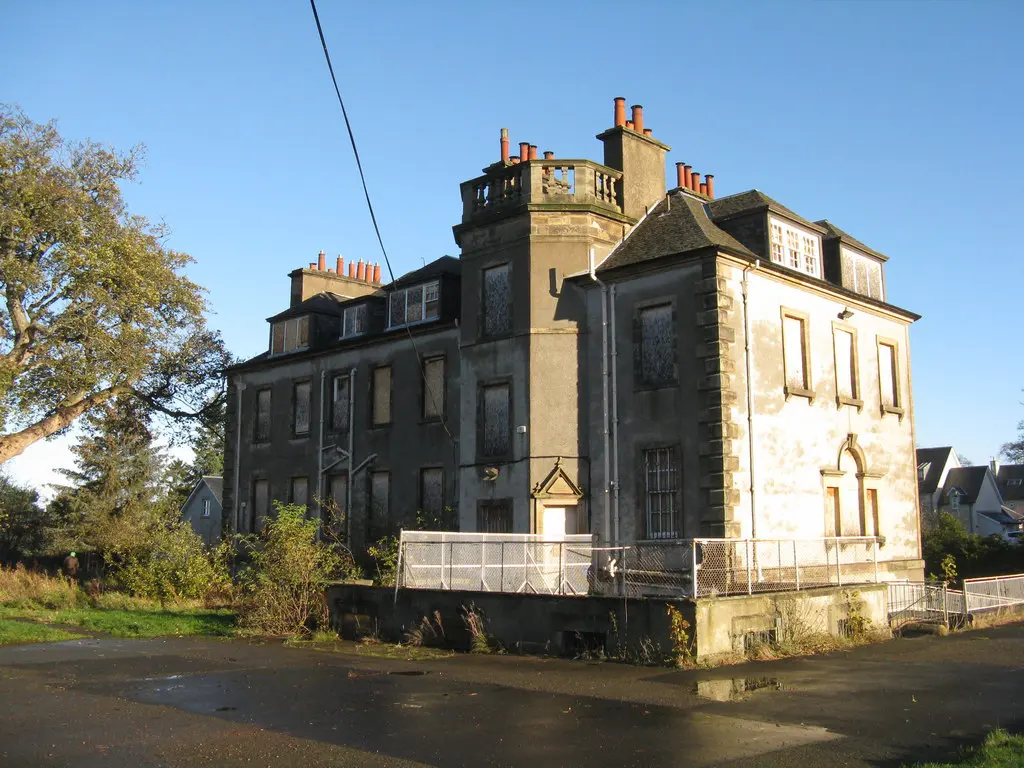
(862, 274)
(290, 335)
(795, 248)
(414, 305)
(354, 323)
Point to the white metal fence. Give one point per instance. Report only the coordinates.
(573, 565)
(917, 601)
(991, 593)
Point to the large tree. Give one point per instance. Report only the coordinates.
(93, 306)
(1014, 450)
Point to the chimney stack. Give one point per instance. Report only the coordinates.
(341, 266)
(524, 151)
(376, 274)
(620, 111)
(638, 118)
(504, 146)
(321, 261)
(709, 180)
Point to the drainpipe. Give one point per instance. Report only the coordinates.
(615, 420)
(604, 401)
(749, 366)
(239, 388)
(351, 448)
(320, 458)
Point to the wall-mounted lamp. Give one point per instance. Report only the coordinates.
(846, 314)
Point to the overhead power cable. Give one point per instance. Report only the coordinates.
(373, 216)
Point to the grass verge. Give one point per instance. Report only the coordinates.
(134, 622)
(19, 632)
(999, 750)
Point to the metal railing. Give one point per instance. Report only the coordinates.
(574, 565)
(914, 601)
(483, 562)
(987, 594)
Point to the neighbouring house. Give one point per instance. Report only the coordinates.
(202, 509)
(972, 496)
(933, 465)
(1010, 478)
(607, 357)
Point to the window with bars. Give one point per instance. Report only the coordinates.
(495, 421)
(661, 493)
(433, 388)
(795, 248)
(656, 346)
(496, 301)
(381, 405)
(414, 305)
(300, 408)
(261, 429)
(290, 335)
(355, 320)
(340, 401)
(494, 516)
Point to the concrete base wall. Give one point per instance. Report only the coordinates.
(730, 624)
(554, 624)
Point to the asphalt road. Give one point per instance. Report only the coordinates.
(197, 702)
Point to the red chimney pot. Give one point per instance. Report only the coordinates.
(709, 179)
(361, 270)
(524, 151)
(703, 189)
(341, 265)
(647, 131)
(629, 124)
(680, 174)
(638, 118)
(376, 274)
(312, 265)
(620, 111)
(504, 146)
(687, 175)
(548, 155)
(352, 270)
(533, 151)
(321, 261)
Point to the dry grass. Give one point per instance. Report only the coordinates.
(22, 588)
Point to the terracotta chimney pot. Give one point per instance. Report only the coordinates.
(638, 118)
(376, 274)
(361, 270)
(687, 174)
(341, 265)
(515, 161)
(352, 270)
(703, 189)
(549, 155)
(533, 151)
(680, 174)
(504, 145)
(695, 181)
(709, 180)
(524, 151)
(620, 111)
(647, 131)
(321, 261)
(629, 124)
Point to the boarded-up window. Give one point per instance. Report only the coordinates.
(846, 365)
(832, 524)
(300, 491)
(396, 308)
(657, 345)
(260, 504)
(794, 340)
(339, 503)
(300, 408)
(432, 497)
(494, 516)
(414, 304)
(290, 335)
(433, 388)
(496, 427)
(355, 321)
(497, 301)
(261, 430)
(340, 399)
(888, 376)
(277, 339)
(661, 493)
(380, 500)
(381, 395)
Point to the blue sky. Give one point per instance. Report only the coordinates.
(900, 122)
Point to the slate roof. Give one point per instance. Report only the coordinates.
(325, 303)
(216, 485)
(833, 231)
(750, 202)
(1009, 472)
(670, 229)
(446, 265)
(967, 479)
(937, 457)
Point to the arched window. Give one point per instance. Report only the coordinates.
(851, 494)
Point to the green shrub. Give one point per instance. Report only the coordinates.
(289, 569)
(385, 557)
(951, 552)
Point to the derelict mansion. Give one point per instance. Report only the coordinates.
(604, 356)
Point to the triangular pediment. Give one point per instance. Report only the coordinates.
(557, 484)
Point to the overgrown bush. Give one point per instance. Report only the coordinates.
(172, 563)
(289, 568)
(385, 556)
(22, 588)
(972, 555)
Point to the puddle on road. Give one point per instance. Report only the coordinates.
(736, 688)
(409, 672)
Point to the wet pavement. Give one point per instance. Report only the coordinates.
(192, 702)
